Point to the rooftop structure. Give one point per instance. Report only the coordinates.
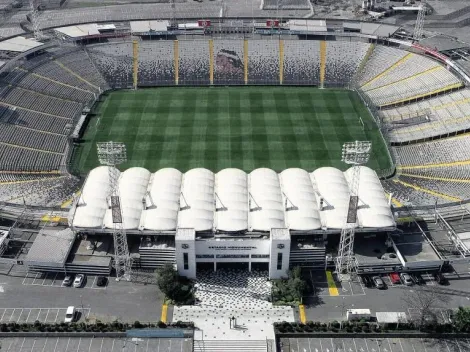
(232, 200)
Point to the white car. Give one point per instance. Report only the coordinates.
(406, 279)
(70, 315)
(79, 280)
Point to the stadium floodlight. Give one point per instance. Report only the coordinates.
(356, 154)
(112, 154)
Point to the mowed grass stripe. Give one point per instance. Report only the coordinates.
(211, 154)
(288, 136)
(237, 154)
(242, 127)
(224, 159)
(262, 151)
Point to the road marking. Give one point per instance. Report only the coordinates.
(19, 317)
(164, 314)
(303, 317)
(79, 341)
(45, 343)
(55, 348)
(332, 288)
(57, 315)
(24, 339)
(12, 316)
(32, 347)
(37, 318)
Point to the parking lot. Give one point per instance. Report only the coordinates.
(45, 315)
(55, 280)
(323, 286)
(374, 345)
(65, 344)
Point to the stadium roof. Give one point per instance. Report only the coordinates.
(19, 44)
(149, 26)
(51, 247)
(232, 200)
(78, 31)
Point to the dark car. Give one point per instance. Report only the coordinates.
(419, 279)
(101, 281)
(378, 282)
(366, 281)
(441, 279)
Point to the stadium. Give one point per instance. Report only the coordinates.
(233, 146)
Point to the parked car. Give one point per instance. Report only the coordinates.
(70, 315)
(101, 281)
(79, 280)
(366, 281)
(378, 282)
(68, 279)
(406, 279)
(395, 278)
(419, 279)
(441, 279)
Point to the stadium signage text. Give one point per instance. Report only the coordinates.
(232, 248)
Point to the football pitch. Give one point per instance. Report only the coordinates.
(223, 127)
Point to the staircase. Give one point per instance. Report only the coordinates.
(232, 345)
(308, 255)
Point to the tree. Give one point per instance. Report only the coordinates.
(174, 286)
(167, 279)
(461, 319)
(424, 301)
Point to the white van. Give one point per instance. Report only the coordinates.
(70, 314)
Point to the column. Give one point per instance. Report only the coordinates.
(211, 61)
(176, 60)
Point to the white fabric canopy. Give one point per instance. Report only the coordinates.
(92, 204)
(334, 190)
(373, 208)
(197, 200)
(163, 201)
(266, 205)
(233, 201)
(299, 199)
(231, 188)
(132, 190)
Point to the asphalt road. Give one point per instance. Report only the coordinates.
(119, 300)
(324, 307)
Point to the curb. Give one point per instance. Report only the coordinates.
(402, 334)
(62, 334)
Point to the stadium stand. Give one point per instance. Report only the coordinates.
(156, 63)
(432, 117)
(342, 61)
(407, 77)
(114, 61)
(43, 96)
(441, 151)
(41, 99)
(301, 62)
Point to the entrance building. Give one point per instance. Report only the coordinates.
(259, 251)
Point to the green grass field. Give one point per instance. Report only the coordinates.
(221, 127)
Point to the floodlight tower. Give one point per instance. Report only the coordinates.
(35, 19)
(112, 154)
(418, 32)
(356, 154)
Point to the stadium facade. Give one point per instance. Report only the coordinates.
(232, 216)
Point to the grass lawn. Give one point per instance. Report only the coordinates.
(222, 127)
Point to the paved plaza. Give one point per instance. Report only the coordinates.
(233, 293)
